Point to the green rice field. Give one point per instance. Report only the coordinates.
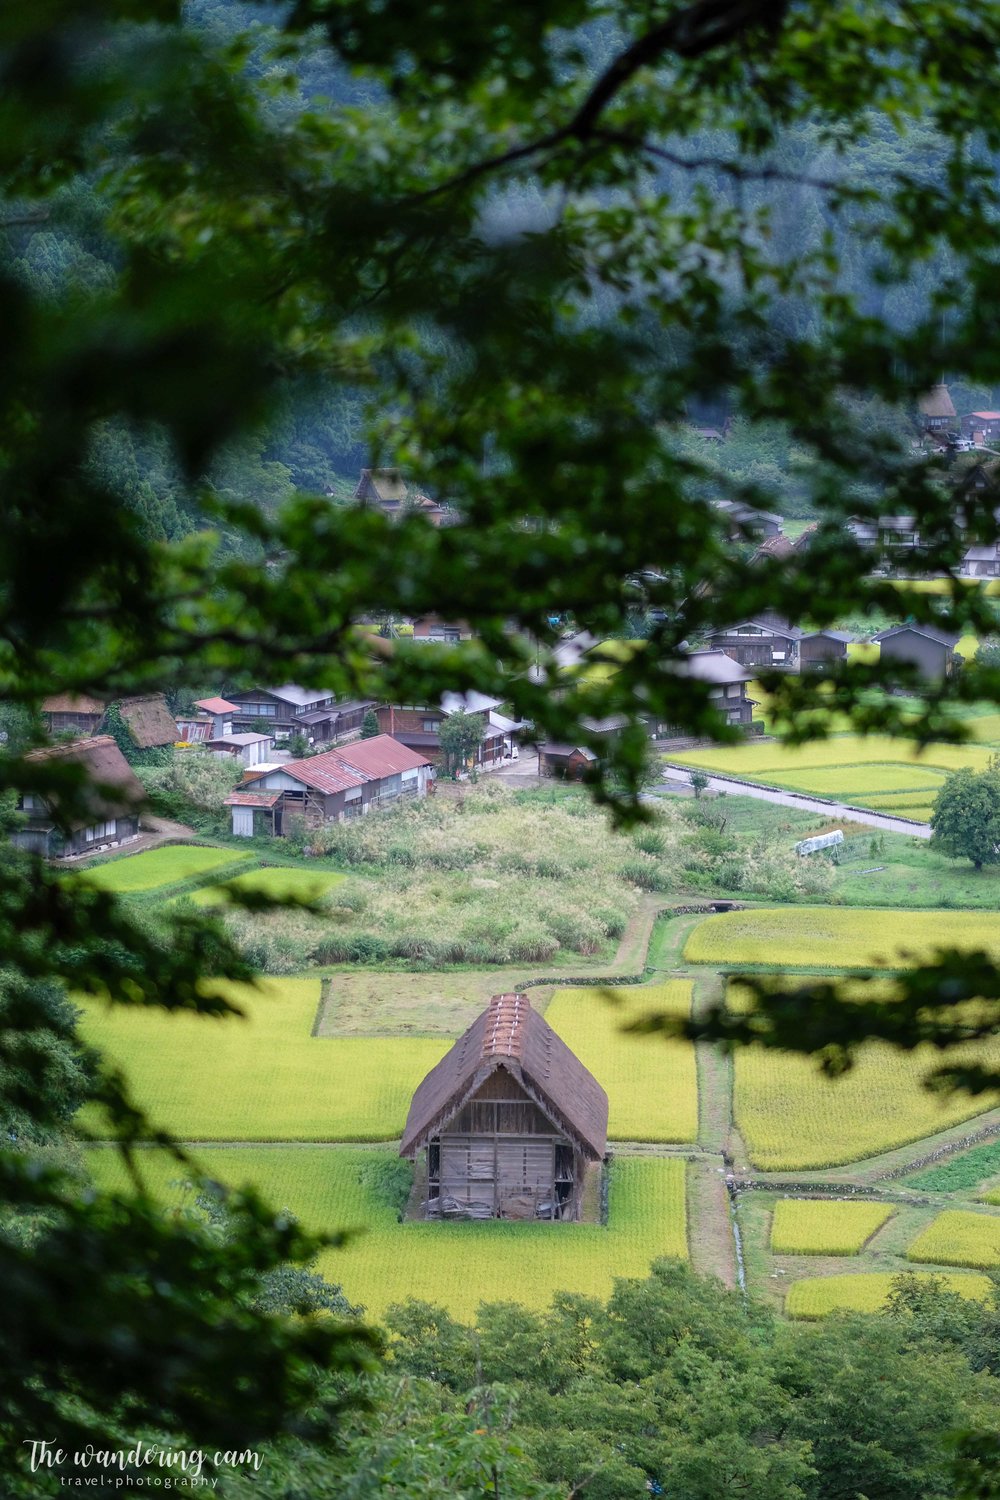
(263, 1078)
(458, 1266)
(837, 937)
(816, 1296)
(154, 868)
(652, 1084)
(959, 1238)
(824, 1226)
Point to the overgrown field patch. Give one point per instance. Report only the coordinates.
(154, 868)
(652, 1084)
(458, 1266)
(812, 1226)
(265, 1077)
(827, 937)
(868, 1291)
(958, 1237)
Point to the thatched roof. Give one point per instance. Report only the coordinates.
(72, 703)
(113, 787)
(149, 720)
(512, 1036)
(937, 402)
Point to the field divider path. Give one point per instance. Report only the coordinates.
(717, 782)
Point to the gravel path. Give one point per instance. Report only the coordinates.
(833, 810)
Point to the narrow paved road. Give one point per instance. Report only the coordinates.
(833, 810)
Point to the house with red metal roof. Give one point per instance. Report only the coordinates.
(344, 783)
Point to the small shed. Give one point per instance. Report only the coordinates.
(570, 762)
(510, 1121)
(823, 646)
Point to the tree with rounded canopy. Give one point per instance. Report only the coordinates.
(966, 817)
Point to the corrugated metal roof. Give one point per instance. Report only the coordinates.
(251, 799)
(324, 773)
(381, 756)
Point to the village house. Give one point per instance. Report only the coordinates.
(981, 427)
(343, 783)
(212, 720)
(111, 801)
(727, 688)
(767, 641)
(509, 1124)
(981, 561)
(386, 490)
(433, 628)
(72, 713)
(745, 522)
(936, 411)
(419, 727)
(930, 650)
(290, 709)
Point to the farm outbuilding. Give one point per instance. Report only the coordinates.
(510, 1120)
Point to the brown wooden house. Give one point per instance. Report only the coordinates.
(510, 1121)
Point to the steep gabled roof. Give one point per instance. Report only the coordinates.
(937, 402)
(112, 787)
(510, 1035)
(388, 484)
(149, 719)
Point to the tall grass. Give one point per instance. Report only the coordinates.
(503, 877)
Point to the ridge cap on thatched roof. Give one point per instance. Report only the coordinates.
(510, 1034)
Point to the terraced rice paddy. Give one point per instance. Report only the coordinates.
(852, 768)
(812, 1226)
(816, 1296)
(458, 1266)
(959, 1238)
(263, 1078)
(791, 1117)
(837, 938)
(651, 1083)
(155, 868)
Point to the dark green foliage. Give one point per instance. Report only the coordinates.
(965, 1170)
(369, 725)
(699, 781)
(678, 1386)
